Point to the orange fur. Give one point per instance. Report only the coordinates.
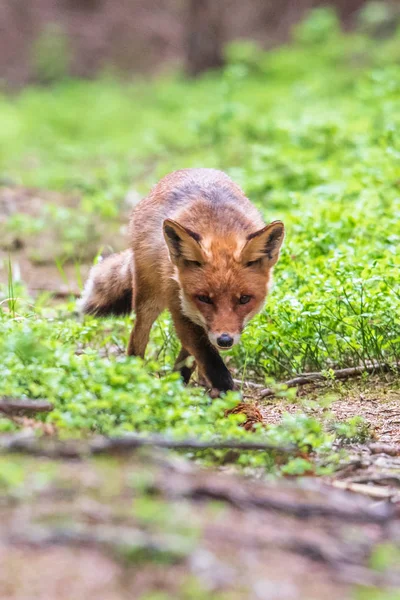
(202, 250)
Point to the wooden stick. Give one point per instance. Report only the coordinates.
(250, 384)
(275, 500)
(338, 374)
(374, 491)
(133, 441)
(15, 406)
(111, 538)
(102, 445)
(377, 448)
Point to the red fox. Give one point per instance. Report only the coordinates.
(201, 249)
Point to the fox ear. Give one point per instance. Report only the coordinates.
(182, 243)
(264, 244)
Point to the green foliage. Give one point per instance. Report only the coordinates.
(310, 130)
(375, 594)
(104, 395)
(298, 466)
(354, 429)
(72, 364)
(384, 557)
(322, 26)
(11, 476)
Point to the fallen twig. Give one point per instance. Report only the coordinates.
(129, 442)
(373, 491)
(284, 503)
(118, 540)
(307, 378)
(388, 479)
(102, 445)
(15, 406)
(251, 384)
(391, 450)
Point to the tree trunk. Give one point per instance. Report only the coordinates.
(204, 43)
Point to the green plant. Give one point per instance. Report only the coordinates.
(354, 429)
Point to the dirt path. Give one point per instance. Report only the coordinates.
(126, 528)
(375, 399)
(155, 524)
(373, 464)
(50, 242)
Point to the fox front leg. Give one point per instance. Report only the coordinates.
(185, 367)
(196, 343)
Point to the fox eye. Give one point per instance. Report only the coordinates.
(205, 299)
(253, 263)
(244, 299)
(192, 263)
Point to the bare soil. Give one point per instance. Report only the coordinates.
(375, 472)
(153, 523)
(48, 260)
(375, 399)
(125, 528)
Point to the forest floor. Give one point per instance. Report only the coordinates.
(37, 251)
(155, 526)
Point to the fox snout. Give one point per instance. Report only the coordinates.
(224, 340)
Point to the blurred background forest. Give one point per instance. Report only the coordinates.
(43, 40)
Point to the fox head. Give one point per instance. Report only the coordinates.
(223, 281)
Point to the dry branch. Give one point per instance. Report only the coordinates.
(282, 503)
(119, 540)
(130, 442)
(389, 479)
(307, 378)
(373, 491)
(390, 450)
(102, 445)
(251, 384)
(16, 407)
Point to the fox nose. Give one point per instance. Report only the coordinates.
(225, 340)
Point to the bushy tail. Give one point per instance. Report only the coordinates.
(109, 288)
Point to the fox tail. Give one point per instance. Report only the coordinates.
(109, 288)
